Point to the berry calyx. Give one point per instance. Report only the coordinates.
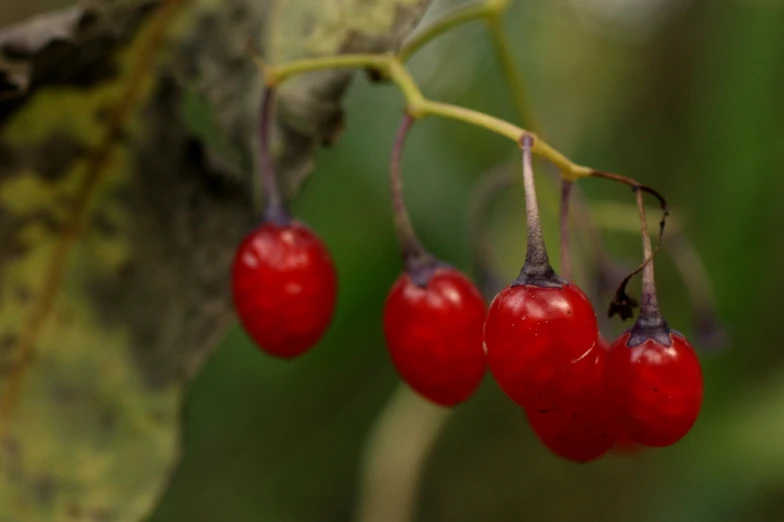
(540, 332)
(434, 335)
(433, 316)
(653, 375)
(284, 286)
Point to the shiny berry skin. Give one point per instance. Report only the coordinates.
(434, 335)
(541, 344)
(584, 428)
(284, 287)
(655, 389)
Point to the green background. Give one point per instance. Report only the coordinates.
(689, 103)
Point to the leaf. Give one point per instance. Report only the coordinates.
(73, 46)
(20, 43)
(118, 221)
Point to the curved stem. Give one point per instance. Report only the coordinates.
(274, 207)
(634, 184)
(650, 324)
(420, 107)
(452, 19)
(409, 244)
(688, 263)
(417, 262)
(566, 251)
(275, 75)
(394, 457)
(622, 304)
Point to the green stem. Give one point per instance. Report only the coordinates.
(418, 106)
(478, 119)
(274, 75)
(459, 16)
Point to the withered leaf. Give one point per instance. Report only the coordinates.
(119, 218)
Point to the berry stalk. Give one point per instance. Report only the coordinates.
(650, 324)
(417, 262)
(650, 303)
(622, 303)
(536, 270)
(274, 206)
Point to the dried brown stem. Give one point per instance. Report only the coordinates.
(623, 304)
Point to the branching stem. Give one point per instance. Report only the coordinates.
(417, 105)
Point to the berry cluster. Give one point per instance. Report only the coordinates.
(539, 337)
(581, 395)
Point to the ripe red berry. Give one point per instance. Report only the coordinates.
(284, 287)
(540, 333)
(434, 335)
(583, 428)
(655, 382)
(542, 344)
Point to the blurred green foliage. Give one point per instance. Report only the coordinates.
(691, 107)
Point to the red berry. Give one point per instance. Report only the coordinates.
(584, 428)
(656, 389)
(284, 285)
(541, 344)
(434, 335)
